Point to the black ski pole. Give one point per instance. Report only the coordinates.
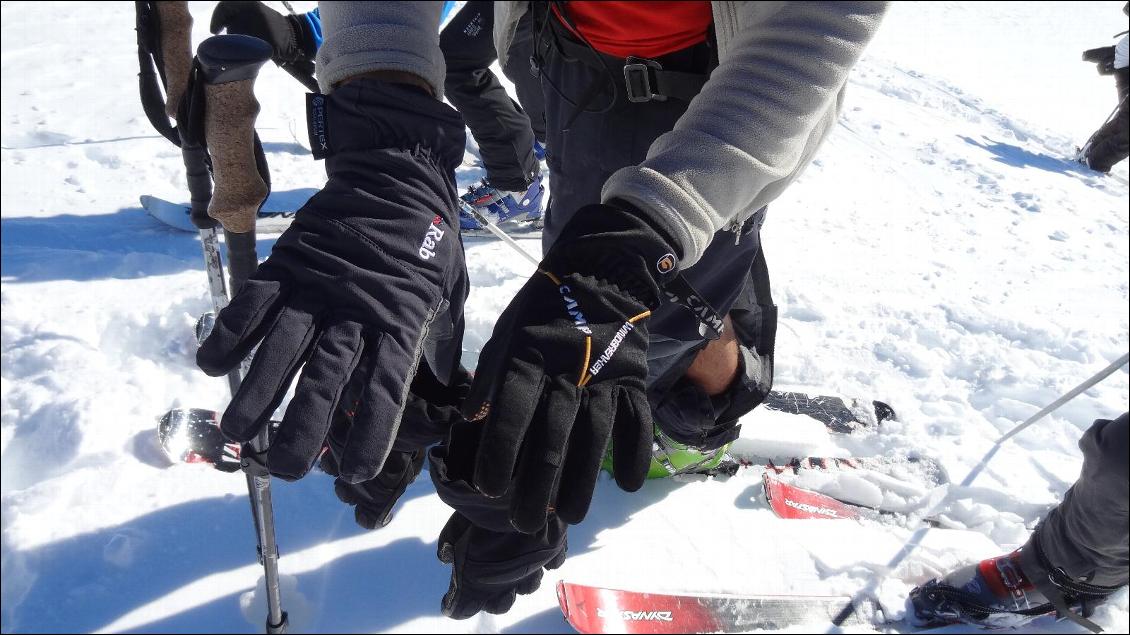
(258, 478)
(228, 64)
(164, 41)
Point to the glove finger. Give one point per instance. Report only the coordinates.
(489, 370)
(380, 408)
(587, 446)
(240, 326)
(456, 526)
(220, 16)
(484, 387)
(505, 428)
(632, 438)
(543, 455)
(502, 602)
(308, 416)
(268, 379)
(530, 583)
(458, 604)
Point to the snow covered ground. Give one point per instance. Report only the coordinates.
(941, 254)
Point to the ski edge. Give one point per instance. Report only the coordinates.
(588, 610)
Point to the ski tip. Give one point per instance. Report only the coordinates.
(563, 599)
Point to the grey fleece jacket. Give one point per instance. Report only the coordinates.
(759, 120)
(361, 37)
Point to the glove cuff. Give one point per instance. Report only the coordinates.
(305, 40)
(616, 243)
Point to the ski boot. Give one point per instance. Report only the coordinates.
(1081, 154)
(670, 458)
(996, 593)
(501, 207)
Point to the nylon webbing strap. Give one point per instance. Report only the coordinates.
(151, 76)
(1064, 585)
(647, 76)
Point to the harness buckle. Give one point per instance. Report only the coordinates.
(637, 79)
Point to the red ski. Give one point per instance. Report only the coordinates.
(596, 610)
(789, 501)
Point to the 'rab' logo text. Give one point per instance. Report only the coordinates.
(434, 235)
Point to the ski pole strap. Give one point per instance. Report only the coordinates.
(304, 78)
(151, 76)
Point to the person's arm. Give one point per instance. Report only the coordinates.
(758, 121)
(368, 282)
(361, 38)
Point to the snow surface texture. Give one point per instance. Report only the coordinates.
(942, 254)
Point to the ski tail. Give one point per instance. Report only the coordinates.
(591, 609)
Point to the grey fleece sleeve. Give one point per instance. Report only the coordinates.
(359, 37)
(758, 121)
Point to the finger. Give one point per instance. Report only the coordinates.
(490, 368)
(632, 438)
(381, 405)
(488, 373)
(266, 383)
(587, 447)
(240, 326)
(543, 455)
(502, 602)
(308, 416)
(506, 427)
(220, 17)
(456, 526)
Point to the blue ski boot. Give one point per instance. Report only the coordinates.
(501, 207)
(997, 593)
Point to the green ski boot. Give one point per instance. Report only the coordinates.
(669, 458)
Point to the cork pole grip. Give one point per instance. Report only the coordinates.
(229, 126)
(176, 51)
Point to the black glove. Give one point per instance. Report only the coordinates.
(288, 35)
(1102, 57)
(374, 499)
(370, 266)
(564, 370)
(490, 569)
(432, 409)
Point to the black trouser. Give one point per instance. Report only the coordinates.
(504, 131)
(1111, 143)
(584, 148)
(1087, 535)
